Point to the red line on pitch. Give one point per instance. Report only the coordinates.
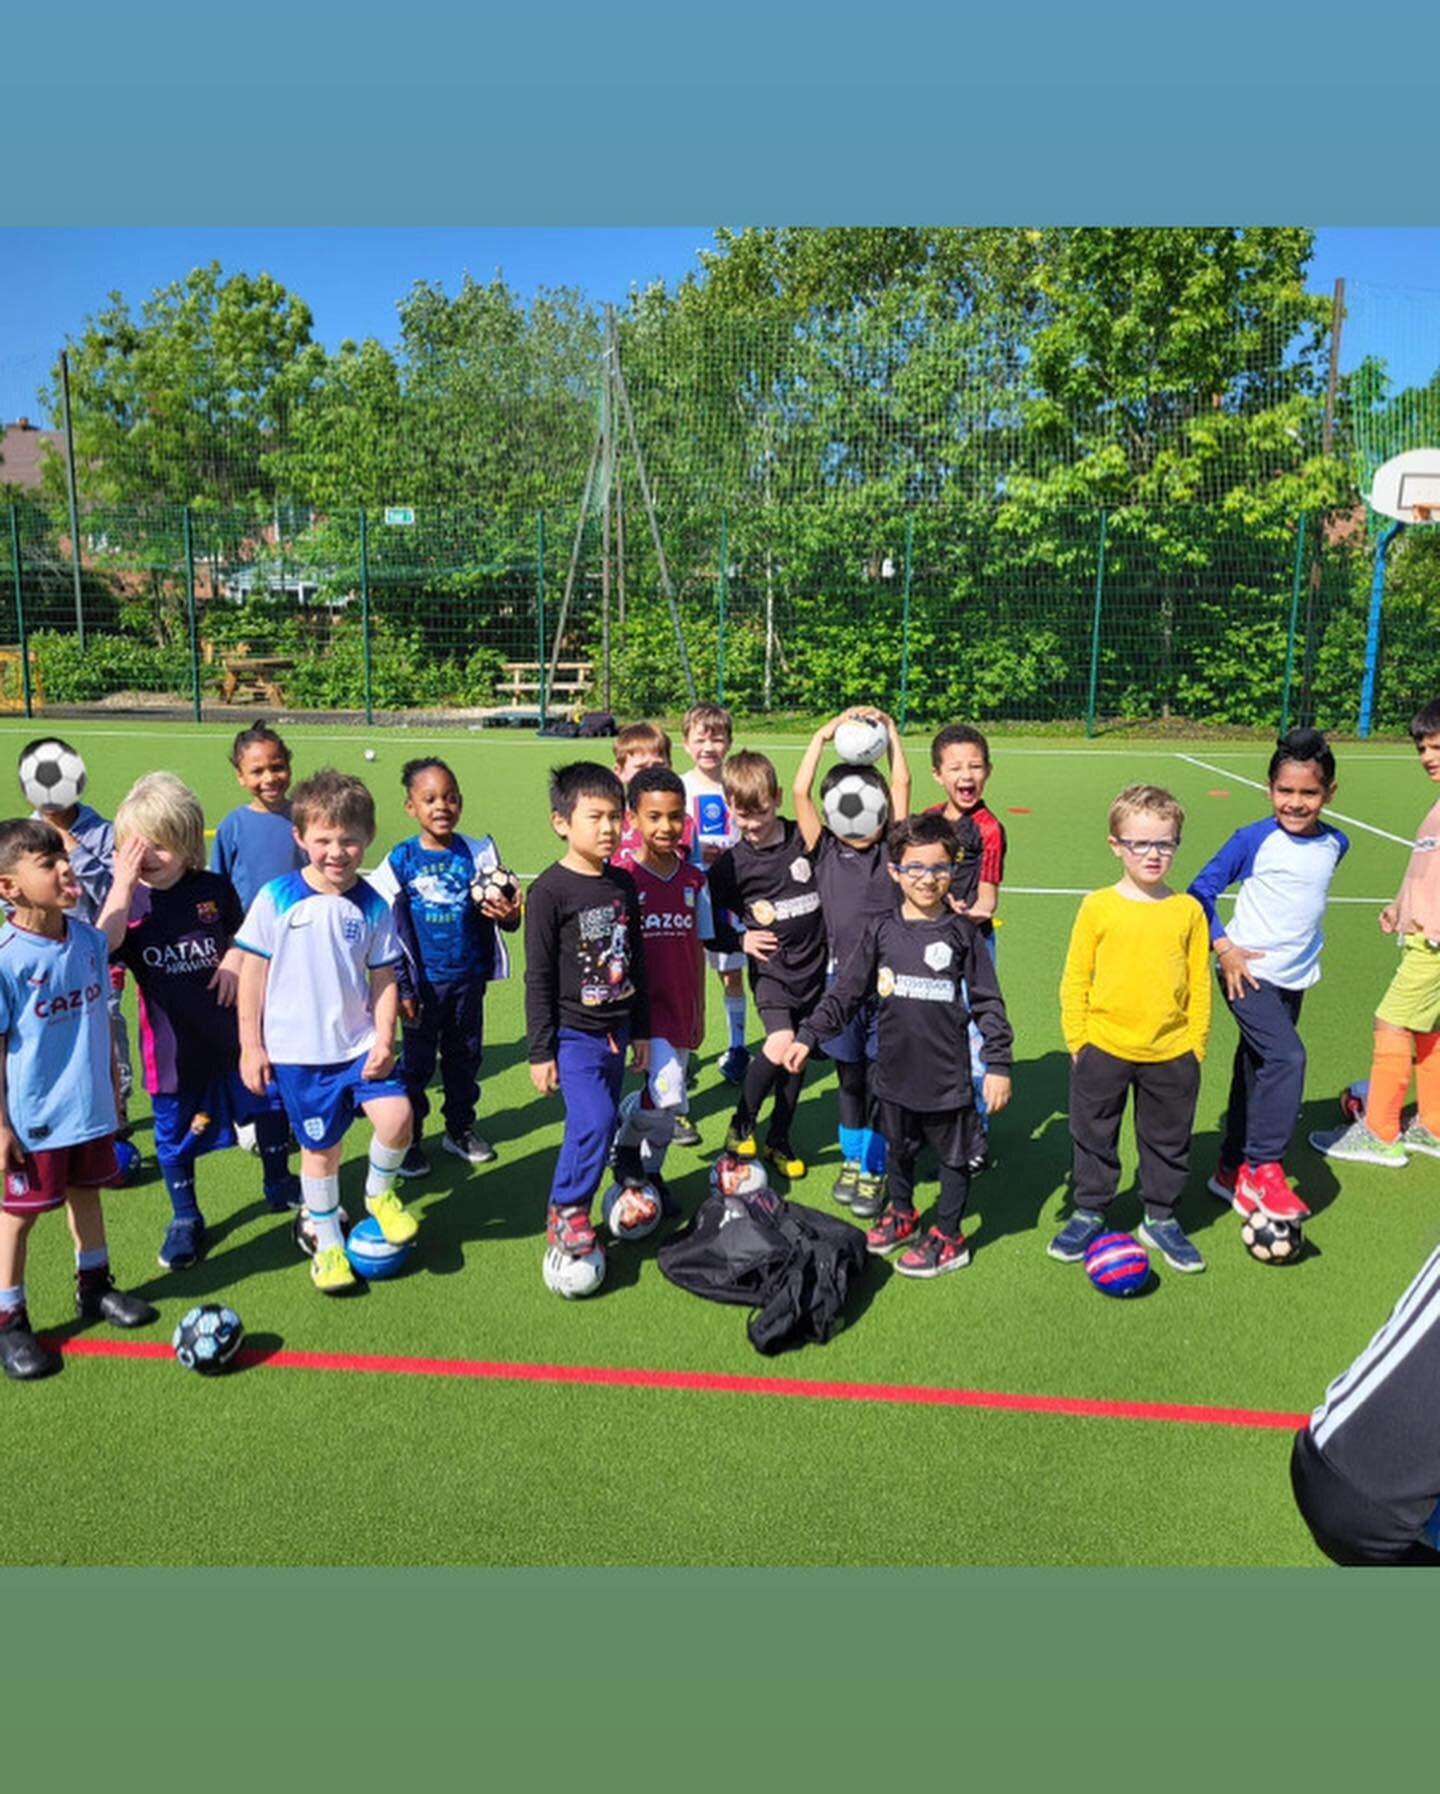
(710, 1383)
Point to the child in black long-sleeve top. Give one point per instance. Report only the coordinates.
(919, 962)
(585, 995)
(766, 903)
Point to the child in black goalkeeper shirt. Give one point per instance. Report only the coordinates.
(766, 903)
(918, 963)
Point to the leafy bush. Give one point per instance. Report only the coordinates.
(107, 663)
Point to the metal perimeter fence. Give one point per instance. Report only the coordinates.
(999, 612)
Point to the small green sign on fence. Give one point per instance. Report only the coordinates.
(404, 514)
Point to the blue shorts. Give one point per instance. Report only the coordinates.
(219, 1105)
(859, 1039)
(321, 1100)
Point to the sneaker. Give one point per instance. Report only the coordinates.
(286, 1197)
(686, 1133)
(1418, 1138)
(981, 1162)
(184, 1243)
(330, 1271)
(782, 1157)
(414, 1164)
(740, 1146)
(845, 1185)
(871, 1196)
(396, 1222)
(21, 1354)
(469, 1147)
(571, 1230)
(734, 1064)
(1357, 1145)
(1069, 1244)
(936, 1254)
(1265, 1185)
(103, 1302)
(1224, 1182)
(893, 1228)
(1169, 1239)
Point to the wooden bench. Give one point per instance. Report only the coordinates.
(253, 678)
(573, 680)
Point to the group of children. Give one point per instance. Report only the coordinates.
(272, 983)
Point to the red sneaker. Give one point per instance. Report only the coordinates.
(936, 1254)
(893, 1228)
(570, 1230)
(1266, 1186)
(1224, 1183)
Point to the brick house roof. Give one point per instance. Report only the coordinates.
(21, 451)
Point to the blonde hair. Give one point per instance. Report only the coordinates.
(1146, 800)
(163, 808)
(638, 738)
(749, 781)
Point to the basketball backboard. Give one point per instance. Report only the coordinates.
(1407, 487)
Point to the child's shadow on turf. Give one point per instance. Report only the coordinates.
(1029, 1152)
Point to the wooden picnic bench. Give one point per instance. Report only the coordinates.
(253, 678)
(573, 680)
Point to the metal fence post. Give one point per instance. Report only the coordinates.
(20, 610)
(540, 606)
(1290, 633)
(720, 606)
(905, 621)
(365, 618)
(190, 616)
(1095, 627)
(1372, 633)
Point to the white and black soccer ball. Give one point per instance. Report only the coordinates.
(731, 1175)
(855, 806)
(208, 1338)
(632, 1211)
(245, 1136)
(499, 885)
(574, 1275)
(861, 740)
(303, 1231)
(1272, 1242)
(52, 775)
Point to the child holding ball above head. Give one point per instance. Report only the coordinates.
(586, 998)
(1268, 957)
(255, 842)
(57, 1089)
(318, 1004)
(172, 924)
(707, 732)
(1135, 1011)
(765, 901)
(917, 962)
(453, 950)
(1407, 1023)
(846, 836)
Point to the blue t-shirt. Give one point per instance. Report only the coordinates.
(254, 846)
(1284, 883)
(56, 1025)
(174, 942)
(439, 924)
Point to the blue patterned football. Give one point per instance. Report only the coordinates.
(208, 1338)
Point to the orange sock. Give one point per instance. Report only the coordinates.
(1389, 1081)
(1427, 1080)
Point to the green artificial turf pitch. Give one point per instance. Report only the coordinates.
(138, 1462)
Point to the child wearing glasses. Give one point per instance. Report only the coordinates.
(919, 961)
(1135, 1011)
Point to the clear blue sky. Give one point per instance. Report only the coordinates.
(352, 278)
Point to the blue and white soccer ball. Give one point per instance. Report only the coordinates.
(632, 1211)
(574, 1275)
(371, 1255)
(303, 1231)
(855, 807)
(861, 740)
(127, 1159)
(52, 775)
(208, 1338)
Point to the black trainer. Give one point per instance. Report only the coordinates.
(21, 1354)
(103, 1302)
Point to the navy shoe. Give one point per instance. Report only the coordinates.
(185, 1243)
(284, 1198)
(1069, 1244)
(1170, 1240)
(734, 1064)
(414, 1164)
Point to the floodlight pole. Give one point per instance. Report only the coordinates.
(73, 497)
(1372, 632)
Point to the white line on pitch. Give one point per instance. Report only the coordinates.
(1354, 821)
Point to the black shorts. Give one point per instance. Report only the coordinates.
(778, 1007)
(1346, 1524)
(955, 1136)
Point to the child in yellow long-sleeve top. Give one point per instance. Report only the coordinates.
(1135, 1010)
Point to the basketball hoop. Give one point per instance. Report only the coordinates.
(1407, 487)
